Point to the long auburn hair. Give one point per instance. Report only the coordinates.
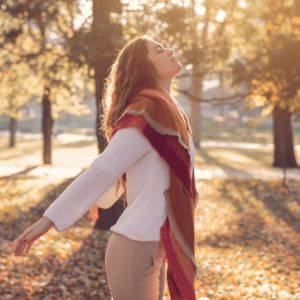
(131, 72)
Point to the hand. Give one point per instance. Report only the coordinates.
(31, 234)
(94, 213)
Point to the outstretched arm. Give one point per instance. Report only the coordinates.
(126, 147)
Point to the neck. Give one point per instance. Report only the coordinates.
(166, 84)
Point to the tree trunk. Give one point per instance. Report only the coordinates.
(47, 124)
(105, 36)
(284, 156)
(12, 130)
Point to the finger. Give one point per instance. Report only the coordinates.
(25, 233)
(22, 237)
(22, 243)
(31, 238)
(28, 246)
(20, 249)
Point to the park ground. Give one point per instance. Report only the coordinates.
(247, 230)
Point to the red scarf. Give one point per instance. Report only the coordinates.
(156, 114)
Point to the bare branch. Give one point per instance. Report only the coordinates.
(231, 100)
(207, 72)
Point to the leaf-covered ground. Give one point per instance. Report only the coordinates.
(248, 239)
(247, 243)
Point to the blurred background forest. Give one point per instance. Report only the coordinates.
(239, 80)
(240, 88)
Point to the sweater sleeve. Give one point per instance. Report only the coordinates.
(126, 147)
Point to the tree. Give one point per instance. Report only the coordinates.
(99, 42)
(106, 36)
(17, 86)
(271, 70)
(37, 32)
(18, 82)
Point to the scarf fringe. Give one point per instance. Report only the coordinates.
(162, 130)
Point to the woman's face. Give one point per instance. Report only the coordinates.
(163, 59)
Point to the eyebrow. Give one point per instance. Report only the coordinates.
(158, 46)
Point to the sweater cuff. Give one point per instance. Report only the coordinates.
(54, 225)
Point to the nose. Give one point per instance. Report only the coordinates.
(172, 51)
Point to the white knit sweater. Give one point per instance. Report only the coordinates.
(147, 177)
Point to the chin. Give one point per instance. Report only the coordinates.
(178, 69)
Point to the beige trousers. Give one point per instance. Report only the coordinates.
(135, 269)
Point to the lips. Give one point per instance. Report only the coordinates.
(174, 58)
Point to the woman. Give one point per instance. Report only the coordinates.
(149, 140)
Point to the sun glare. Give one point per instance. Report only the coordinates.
(200, 9)
(86, 8)
(242, 4)
(221, 15)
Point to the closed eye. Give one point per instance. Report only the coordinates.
(160, 47)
